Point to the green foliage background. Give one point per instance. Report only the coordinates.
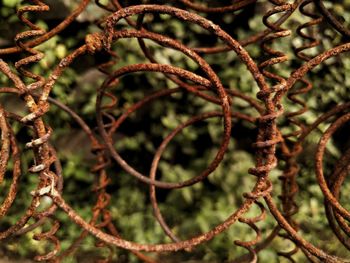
(192, 210)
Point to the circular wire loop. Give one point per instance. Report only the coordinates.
(271, 148)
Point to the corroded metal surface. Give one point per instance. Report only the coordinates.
(271, 146)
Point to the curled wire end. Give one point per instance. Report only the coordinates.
(251, 222)
(35, 31)
(50, 237)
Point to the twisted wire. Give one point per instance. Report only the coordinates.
(43, 160)
(290, 186)
(272, 148)
(276, 57)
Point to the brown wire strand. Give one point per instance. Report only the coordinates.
(272, 148)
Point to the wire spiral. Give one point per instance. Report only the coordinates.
(229, 104)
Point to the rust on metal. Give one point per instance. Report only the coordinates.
(271, 148)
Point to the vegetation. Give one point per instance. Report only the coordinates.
(191, 210)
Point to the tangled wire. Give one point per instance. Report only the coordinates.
(272, 147)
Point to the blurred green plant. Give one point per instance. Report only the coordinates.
(192, 210)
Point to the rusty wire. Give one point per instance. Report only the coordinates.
(271, 147)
